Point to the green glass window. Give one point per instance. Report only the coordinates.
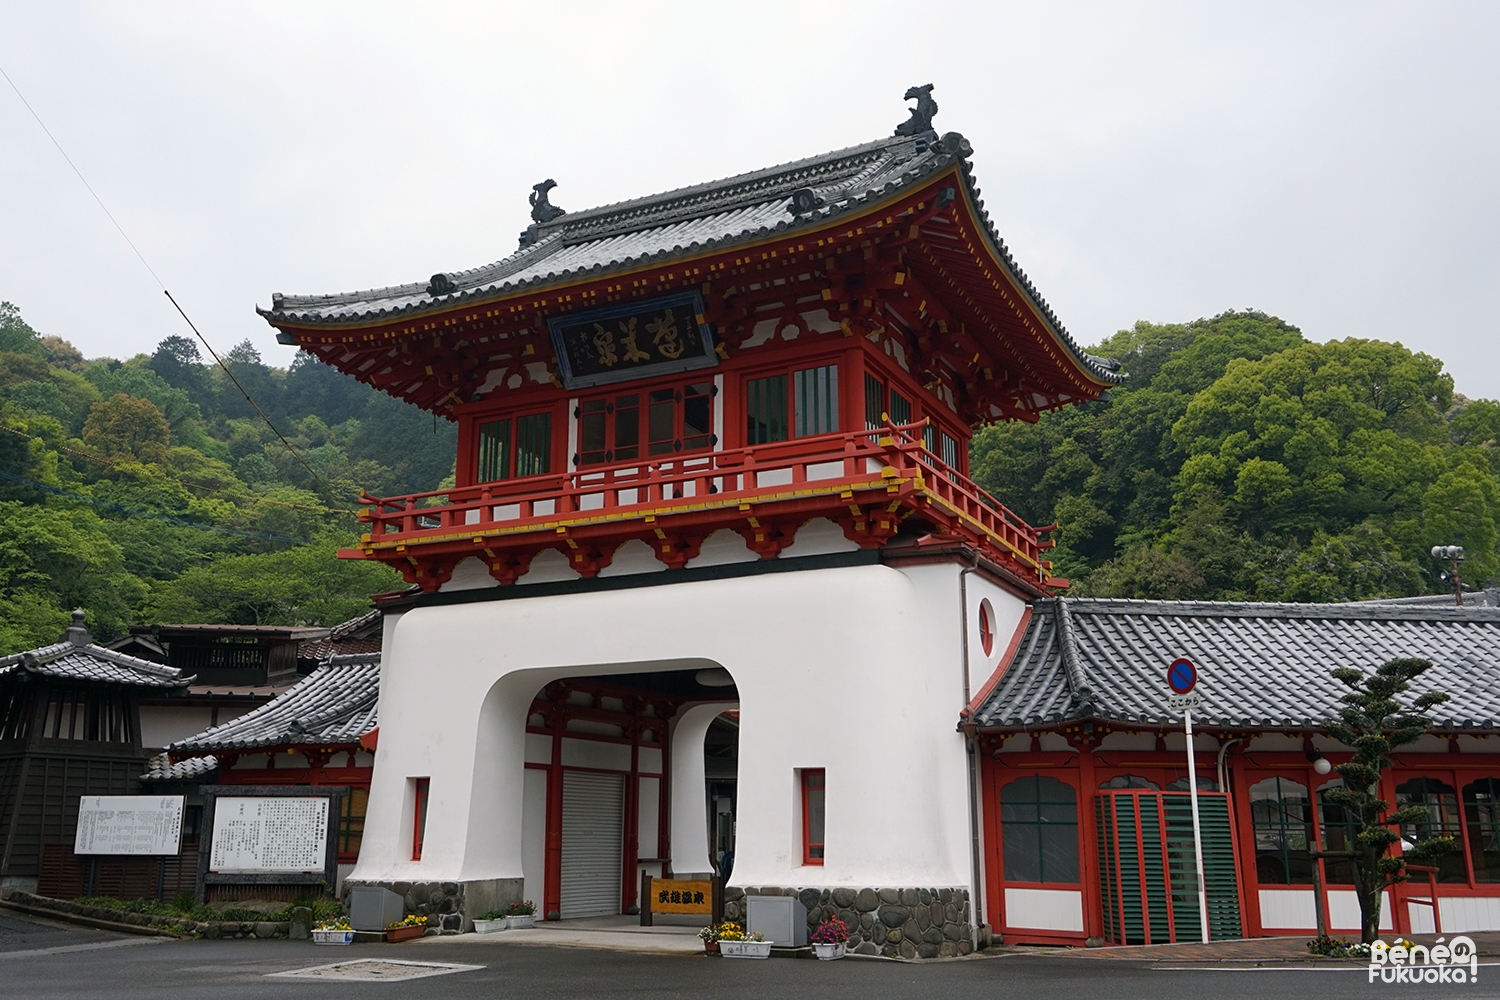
(1281, 817)
(1482, 814)
(494, 451)
(765, 410)
(900, 408)
(874, 402)
(817, 404)
(1442, 811)
(1338, 829)
(1039, 830)
(533, 444)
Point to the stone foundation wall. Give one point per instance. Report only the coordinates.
(453, 905)
(898, 923)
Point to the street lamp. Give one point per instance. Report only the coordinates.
(1455, 555)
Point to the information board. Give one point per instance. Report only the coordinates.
(129, 824)
(272, 834)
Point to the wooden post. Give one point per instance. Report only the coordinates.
(645, 899)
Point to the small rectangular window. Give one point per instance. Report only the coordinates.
(813, 816)
(534, 444)
(900, 409)
(874, 402)
(817, 403)
(697, 416)
(765, 410)
(352, 821)
(494, 451)
(419, 817)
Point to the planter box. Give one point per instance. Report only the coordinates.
(829, 952)
(490, 926)
(710, 947)
(521, 921)
(394, 934)
(333, 937)
(745, 949)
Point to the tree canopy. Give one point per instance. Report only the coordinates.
(1241, 461)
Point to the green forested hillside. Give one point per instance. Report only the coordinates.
(1241, 461)
(149, 490)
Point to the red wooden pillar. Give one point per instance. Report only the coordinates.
(664, 801)
(552, 882)
(629, 884)
(1249, 884)
(1088, 844)
(989, 795)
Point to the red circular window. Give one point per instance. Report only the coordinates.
(986, 627)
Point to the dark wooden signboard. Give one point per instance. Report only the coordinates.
(642, 339)
(266, 839)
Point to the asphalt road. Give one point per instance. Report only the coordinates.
(43, 961)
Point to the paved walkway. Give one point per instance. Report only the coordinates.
(1253, 951)
(610, 933)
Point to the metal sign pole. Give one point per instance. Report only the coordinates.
(1187, 725)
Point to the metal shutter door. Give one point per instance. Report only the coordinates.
(593, 834)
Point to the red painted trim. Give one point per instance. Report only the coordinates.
(808, 773)
(1002, 664)
(552, 866)
(419, 817)
(371, 740)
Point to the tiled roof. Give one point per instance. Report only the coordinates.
(688, 222)
(357, 635)
(335, 704)
(78, 658)
(161, 768)
(1260, 666)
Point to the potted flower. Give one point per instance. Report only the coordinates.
(710, 936)
(412, 927)
(335, 931)
(520, 915)
(493, 921)
(735, 943)
(829, 938)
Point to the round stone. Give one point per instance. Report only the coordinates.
(849, 917)
(894, 916)
(908, 950)
(889, 895)
(910, 897)
(933, 935)
(866, 921)
(923, 918)
(947, 949)
(843, 898)
(867, 949)
(928, 951)
(810, 898)
(951, 932)
(964, 947)
(893, 936)
(866, 900)
(925, 897)
(946, 895)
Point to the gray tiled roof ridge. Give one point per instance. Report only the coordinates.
(1350, 611)
(1264, 665)
(58, 650)
(285, 719)
(647, 212)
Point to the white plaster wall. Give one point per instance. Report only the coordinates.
(815, 655)
(1462, 914)
(1007, 616)
(1044, 909)
(689, 814)
(163, 725)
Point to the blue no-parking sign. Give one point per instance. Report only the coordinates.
(1182, 676)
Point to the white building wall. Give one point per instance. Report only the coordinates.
(856, 670)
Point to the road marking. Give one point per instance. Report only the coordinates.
(95, 946)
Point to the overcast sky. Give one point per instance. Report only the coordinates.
(1333, 164)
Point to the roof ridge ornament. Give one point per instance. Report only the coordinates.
(920, 121)
(77, 634)
(542, 211)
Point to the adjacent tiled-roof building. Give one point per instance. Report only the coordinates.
(1260, 666)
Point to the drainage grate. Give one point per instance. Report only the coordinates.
(376, 970)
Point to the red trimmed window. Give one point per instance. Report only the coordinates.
(813, 818)
(655, 423)
(419, 819)
(986, 628)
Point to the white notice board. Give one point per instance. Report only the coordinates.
(270, 834)
(129, 824)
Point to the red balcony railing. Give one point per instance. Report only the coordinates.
(839, 466)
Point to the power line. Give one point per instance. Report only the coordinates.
(191, 325)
